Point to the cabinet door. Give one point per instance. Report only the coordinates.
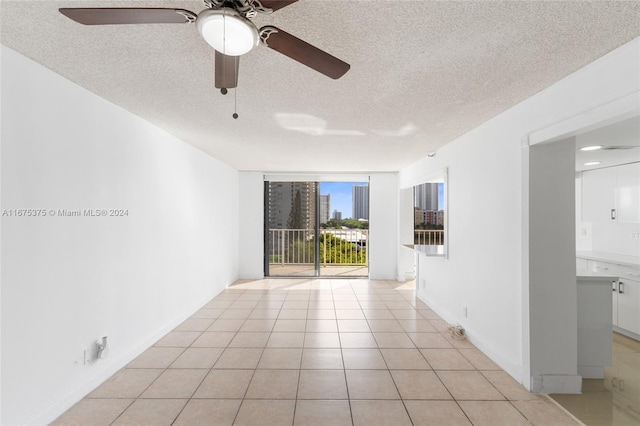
(628, 193)
(629, 305)
(598, 194)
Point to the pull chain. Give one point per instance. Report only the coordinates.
(235, 104)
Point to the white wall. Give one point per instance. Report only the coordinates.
(251, 245)
(67, 281)
(553, 315)
(383, 228)
(484, 271)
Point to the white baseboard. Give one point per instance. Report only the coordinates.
(105, 369)
(591, 372)
(510, 367)
(561, 383)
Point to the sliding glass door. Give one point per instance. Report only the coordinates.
(305, 234)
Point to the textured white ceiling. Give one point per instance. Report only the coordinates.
(422, 73)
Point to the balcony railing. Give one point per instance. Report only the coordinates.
(428, 237)
(337, 246)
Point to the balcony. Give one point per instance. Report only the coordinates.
(343, 252)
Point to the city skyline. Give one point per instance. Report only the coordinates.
(341, 196)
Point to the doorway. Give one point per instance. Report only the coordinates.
(316, 229)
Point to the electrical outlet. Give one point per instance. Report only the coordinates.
(635, 235)
(583, 232)
(422, 283)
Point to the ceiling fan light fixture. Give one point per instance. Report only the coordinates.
(591, 148)
(227, 31)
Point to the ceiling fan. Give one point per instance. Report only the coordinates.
(226, 26)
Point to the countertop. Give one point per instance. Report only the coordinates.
(427, 250)
(618, 259)
(584, 275)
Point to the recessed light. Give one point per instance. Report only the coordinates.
(591, 148)
(592, 163)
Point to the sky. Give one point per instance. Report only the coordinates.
(340, 196)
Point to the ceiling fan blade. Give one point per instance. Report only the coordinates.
(276, 4)
(114, 16)
(226, 71)
(303, 52)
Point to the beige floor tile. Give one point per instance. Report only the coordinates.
(265, 412)
(405, 359)
(363, 359)
(376, 305)
(419, 384)
(371, 384)
(458, 343)
(322, 359)
(375, 313)
(289, 325)
(353, 326)
(493, 413)
(239, 358)
(281, 358)
(446, 359)
(226, 325)
(349, 314)
(357, 340)
(198, 358)
(295, 304)
(346, 304)
(208, 313)
(250, 340)
(511, 389)
(321, 340)
(293, 314)
(214, 339)
(178, 339)
(322, 326)
(95, 412)
(417, 326)
(440, 325)
(194, 324)
(235, 314)
(243, 304)
(258, 325)
(429, 314)
(286, 340)
(322, 413)
(544, 412)
(394, 340)
(379, 413)
(267, 312)
(322, 313)
(127, 383)
(406, 314)
(469, 385)
(385, 326)
(175, 383)
(436, 413)
(156, 357)
(478, 359)
(224, 384)
(219, 412)
(322, 384)
(219, 304)
(273, 384)
(399, 305)
(157, 412)
(430, 341)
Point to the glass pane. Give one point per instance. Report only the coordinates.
(344, 229)
(291, 210)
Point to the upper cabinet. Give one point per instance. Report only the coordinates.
(612, 194)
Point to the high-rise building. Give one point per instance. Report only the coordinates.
(360, 201)
(426, 196)
(325, 208)
(292, 205)
(337, 215)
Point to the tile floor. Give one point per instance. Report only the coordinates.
(313, 352)
(614, 400)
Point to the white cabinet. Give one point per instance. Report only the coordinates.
(628, 193)
(628, 299)
(611, 194)
(598, 194)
